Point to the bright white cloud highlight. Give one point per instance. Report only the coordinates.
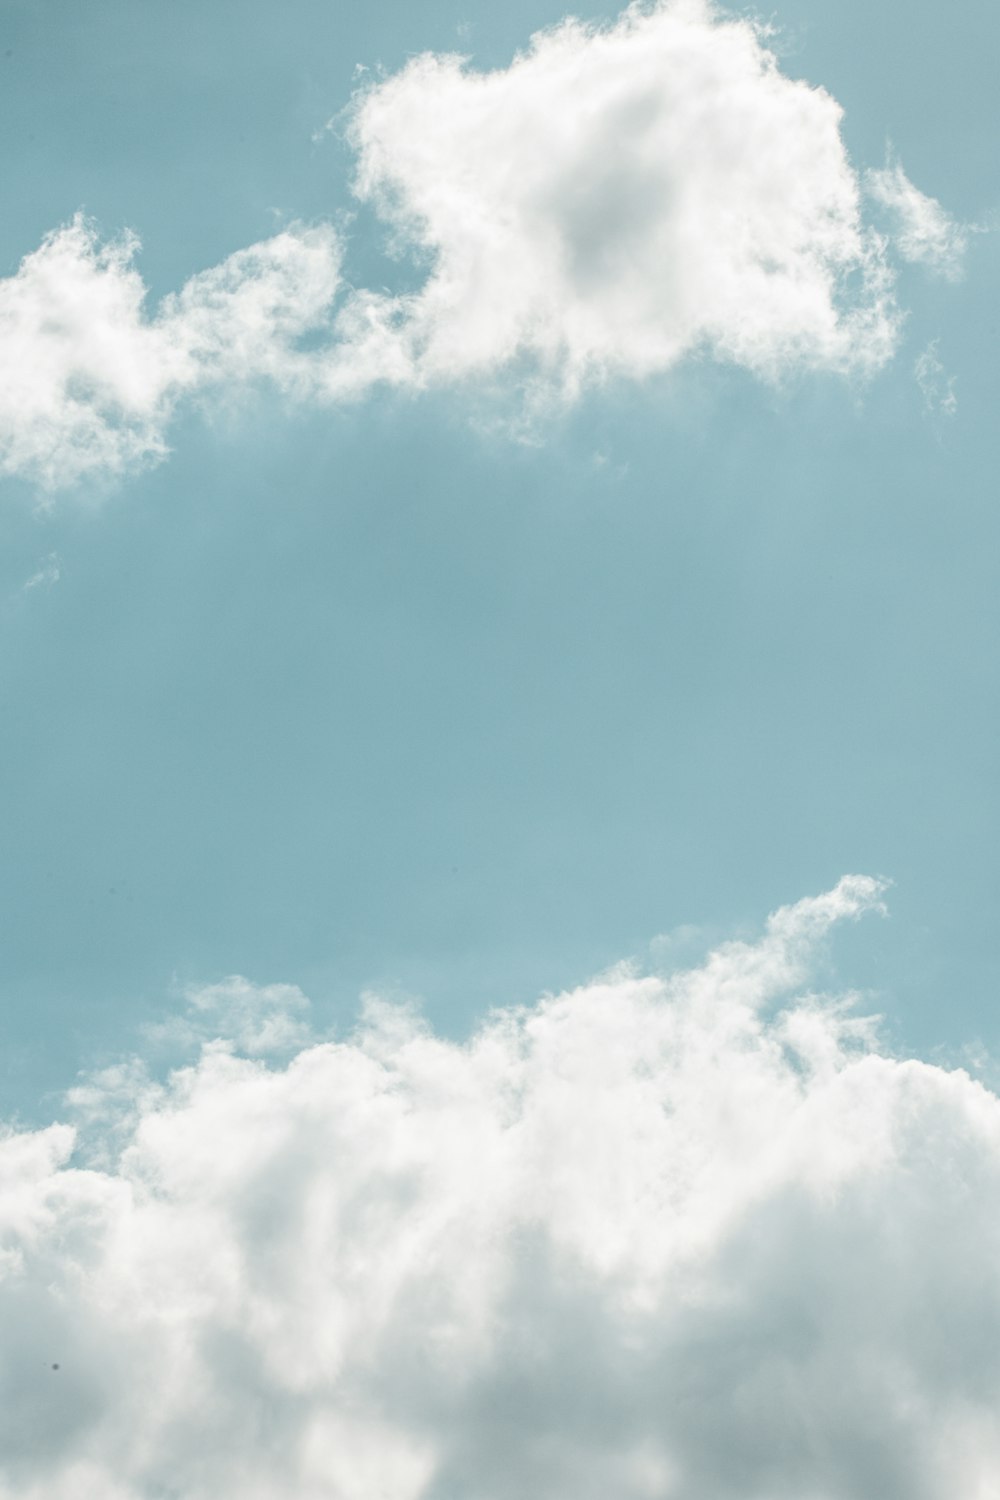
(89, 380)
(676, 1237)
(923, 232)
(620, 197)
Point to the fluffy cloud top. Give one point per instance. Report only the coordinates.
(619, 198)
(660, 1237)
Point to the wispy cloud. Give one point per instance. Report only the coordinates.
(923, 232)
(693, 1235)
(619, 197)
(257, 1019)
(48, 574)
(936, 386)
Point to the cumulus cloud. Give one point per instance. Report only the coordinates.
(677, 1235)
(89, 380)
(618, 199)
(923, 231)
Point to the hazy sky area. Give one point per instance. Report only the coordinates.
(495, 523)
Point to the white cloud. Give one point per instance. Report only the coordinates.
(619, 199)
(924, 232)
(89, 381)
(662, 1236)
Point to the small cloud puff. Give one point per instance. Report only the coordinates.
(667, 1236)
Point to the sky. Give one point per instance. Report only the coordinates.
(498, 608)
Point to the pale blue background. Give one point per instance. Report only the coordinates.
(365, 699)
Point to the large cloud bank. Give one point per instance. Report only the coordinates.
(617, 199)
(690, 1238)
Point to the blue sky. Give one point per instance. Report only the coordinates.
(465, 616)
(366, 695)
